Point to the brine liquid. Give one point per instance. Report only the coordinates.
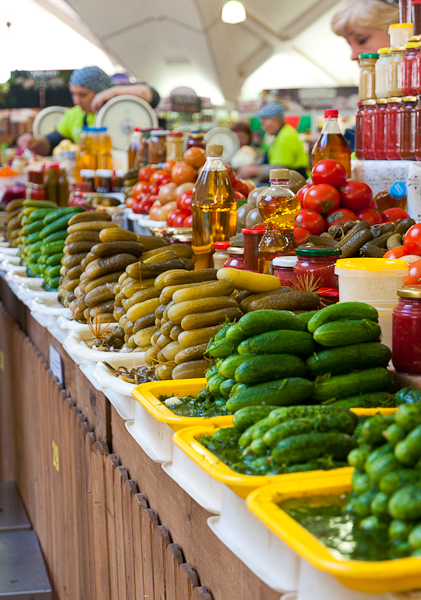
(333, 145)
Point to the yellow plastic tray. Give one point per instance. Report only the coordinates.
(373, 577)
(147, 394)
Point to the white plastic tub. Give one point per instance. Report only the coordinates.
(370, 279)
(75, 345)
(153, 436)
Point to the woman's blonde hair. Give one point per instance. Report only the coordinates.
(372, 14)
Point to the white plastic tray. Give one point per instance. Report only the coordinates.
(12, 261)
(264, 553)
(194, 480)
(153, 436)
(70, 324)
(9, 267)
(49, 305)
(6, 249)
(31, 282)
(75, 345)
(59, 334)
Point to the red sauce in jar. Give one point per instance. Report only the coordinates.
(235, 258)
(409, 70)
(283, 269)
(252, 239)
(406, 346)
(358, 147)
(393, 128)
(379, 125)
(316, 266)
(368, 129)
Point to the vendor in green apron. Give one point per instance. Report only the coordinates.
(91, 88)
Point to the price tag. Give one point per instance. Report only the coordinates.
(55, 364)
(56, 462)
(1, 360)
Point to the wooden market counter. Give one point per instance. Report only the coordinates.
(111, 523)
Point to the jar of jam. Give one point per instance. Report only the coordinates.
(316, 266)
(196, 140)
(379, 125)
(144, 146)
(220, 255)
(105, 181)
(38, 192)
(77, 194)
(157, 151)
(88, 177)
(283, 269)
(175, 143)
(252, 239)
(395, 71)
(381, 73)
(418, 130)
(393, 121)
(406, 323)
(368, 129)
(407, 130)
(359, 131)
(235, 258)
(367, 64)
(410, 74)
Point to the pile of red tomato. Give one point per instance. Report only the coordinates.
(411, 253)
(333, 200)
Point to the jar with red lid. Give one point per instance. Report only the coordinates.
(359, 131)
(406, 324)
(252, 239)
(409, 70)
(407, 129)
(235, 258)
(328, 296)
(316, 267)
(220, 255)
(379, 125)
(196, 140)
(368, 129)
(283, 269)
(393, 122)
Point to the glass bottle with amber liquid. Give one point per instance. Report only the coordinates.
(213, 206)
(279, 207)
(331, 143)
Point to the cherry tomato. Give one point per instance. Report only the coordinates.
(167, 166)
(322, 198)
(412, 239)
(145, 173)
(171, 216)
(311, 220)
(184, 200)
(355, 195)
(373, 204)
(393, 214)
(242, 187)
(329, 171)
(239, 195)
(370, 215)
(195, 157)
(130, 202)
(179, 219)
(396, 252)
(188, 221)
(160, 178)
(182, 173)
(301, 193)
(340, 217)
(139, 188)
(301, 235)
(414, 275)
(231, 175)
(176, 218)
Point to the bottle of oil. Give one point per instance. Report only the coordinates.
(395, 197)
(331, 143)
(85, 157)
(104, 147)
(279, 207)
(214, 207)
(134, 146)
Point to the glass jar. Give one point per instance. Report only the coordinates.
(367, 64)
(394, 84)
(105, 181)
(382, 65)
(416, 17)
(118, 180)
(368, 129)
(88, 177)
(252, 239)
(418, 130)
(393, 121)
(283, 269)
(358, 146)
(401, 32)
(157, 151)
(175, 143)
(196, 140)
(235, 258)
(220, 255)
(379, 126)
(144, 147)
(406, 347)
(410, 74)
(38, 192)
(77, 194)
(316, 266)
(407, 129)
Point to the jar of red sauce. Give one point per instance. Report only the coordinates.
(418, 130)
(407, 130)
(316, 266)
(368, 129)
(409, 70)
(359, 131)
(235, 258)
(252, 239)
(38, 192)
(196, 140)
(406, 324)
(283, 269)
(393, 122)
(379, 125)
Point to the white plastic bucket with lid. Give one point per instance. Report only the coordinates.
(385, 310)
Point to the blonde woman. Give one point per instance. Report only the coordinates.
(364, 24)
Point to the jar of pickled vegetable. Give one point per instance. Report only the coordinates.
(406, 347)
(395, 71)
(368, 129)
(359, 131)
(382, 63)
(196, 140)
(407, 128)
(157, 147)
(367, 64)
(175, 142)
(235, 258)
(283, 269)
(393, 122)
(410, 75)
(379, 126)
(315, 267)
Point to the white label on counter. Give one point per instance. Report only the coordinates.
(55, 364)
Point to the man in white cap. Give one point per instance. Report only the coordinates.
(286, 149)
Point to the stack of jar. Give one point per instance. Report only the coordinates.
(94, 152)
(50, 183)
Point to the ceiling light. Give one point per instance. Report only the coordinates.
(233, 12)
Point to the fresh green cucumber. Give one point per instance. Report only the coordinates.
(221, 348)
(33, 237)
(53, 283)
(214, 384)
(395, 480)
(363, 502)
(374, 527)
(400, 530)
(357, 457)
(373, 400)
(414, 538)
(383, 465)
(211, 372)
(376, 454)
(371, 433)
(248, 416)
(345, 359)
(52, 271)
(33, 258)
(408, 451)
(283, 341)
(408, 416)
(235, 335)
(343, 333)
(307, 315)
(394, 434)
(61, 212)
(40, 213)
(349, 311)
(228, 366)
(269, 367)
(283, 392)
(257, 448)
(237, 387)
(247, 437)
(34, 247)
(261, 321)
(287, 413)
(57, 225)
(357, 383)
(54, 259)
(32, 227)
(379, 506)
(55, 237)
(405, 504)
(303, 448)
(225, 388)
(222, 332)
(53, 247)
(361, 482)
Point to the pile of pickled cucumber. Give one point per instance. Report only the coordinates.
(14, 222)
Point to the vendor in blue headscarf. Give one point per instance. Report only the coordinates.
(91, 88)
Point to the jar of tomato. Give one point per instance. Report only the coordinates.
(235, 258)
(409, 71)
(393, 127)
(283, 269)
(379, 125)
(359, 131)
(316, 267)
(196, 140)
(407, 129)
(406, 318)
(252, 239)
(157, 147)
(368, 129)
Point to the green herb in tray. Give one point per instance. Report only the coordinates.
(202, 405)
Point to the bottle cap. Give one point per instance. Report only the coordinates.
(214, 149)
(400, 26)
(221, 245)
(87, 172)
(175, 134)
(373, 265)
(318, 251)
(369, 55)
(381, 101)
(411, 45)
(410, 291)
(285, 261)
(383, 50)
(397, 190)
(331, 113)
(394, 99)
(398, 48)
(279, 174)
(410, 98)
(104, 173)
(235, 250)
(119, 172)
(368, 102)
(136, 128)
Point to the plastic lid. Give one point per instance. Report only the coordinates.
(381, 101)
(400, 26)
(285, 261)
(221, 245)
(369, 55)
(410, 98)
(398, 48)
(410, 291)
(195, 131)
(384, 50)
(369, 102)
(175, 134)
(415, 1)
(214, 149)
(378, 265)
(254, 231)
(317, 251)
(87, 172)
(104, 173)
(159, 132)
(136, 128)
(398, 190)
(235, 250)
(328, 292)
(120, 172)
(410, 45)
(331, 113)
(279, 174)
(394, 99)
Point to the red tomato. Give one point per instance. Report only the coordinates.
(179, 219)
(167, 166)
(160, 178)
(414, 275)
(370, 215)
(301, 235)
(184, 200)
(412, 239)
(242, 187)
(393, 214)
(196, 157)
(396, 252)
(356, 195)
(373, 204)
(130, 202)
(311, 220)
(145, 173)
(139, 188)
(137, 208)
(231, 175)
(182, 173)
(340, 217)
(239, 195)
(322, 198)
(329, 171)
(188, 221)
(176, 218)
(171, 216)
(301, 193)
